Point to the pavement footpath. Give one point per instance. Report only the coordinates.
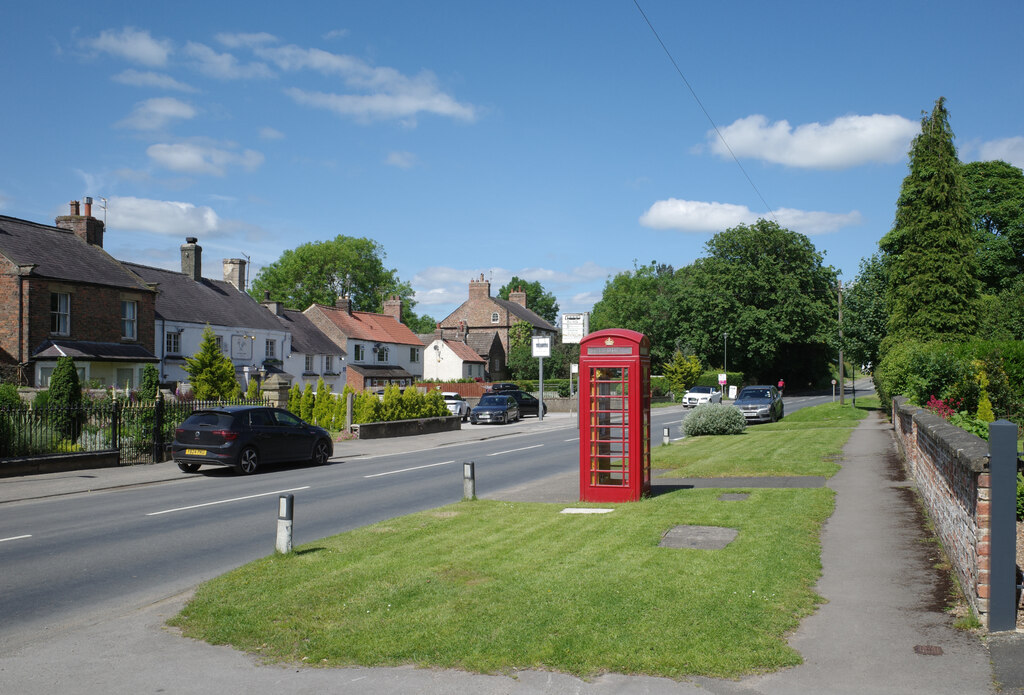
(882, 628)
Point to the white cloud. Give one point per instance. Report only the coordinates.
(1010, 150)
(246, 40)
(845, 142)
(383, 106)
(402, 160)
(135, 78)
(336, 34)
(155, 114)
(164, 217)
(268, 133)
(132, 44)
(224, 66)
(203, 158)
(699, 216)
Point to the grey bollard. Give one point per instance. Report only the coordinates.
(285, 516)
(469, 480)
(1002, 439)
(665, 439)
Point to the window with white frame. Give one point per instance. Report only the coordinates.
(414, 355)
(328, 363)
(129, 320)
(173, 344)
(359, 354)
(271, 348)
(494, 317)
(60, 313)
(382, 353)
(309, 363)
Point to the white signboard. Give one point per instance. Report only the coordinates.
(575, 327)
(241, 347)
(541, 346)
(574, 368)
(722, 378)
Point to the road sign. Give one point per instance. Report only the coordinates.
(723, 378)
(575, 327)
(541, 346)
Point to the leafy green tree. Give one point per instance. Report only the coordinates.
(150, 383)
(308, 401)
(295, 399)
(65, 396)
(538, 300)
(341, 407)
(366, 408)
(392, 408)
(434, 405)
(682, 372)
(252, 391)
(994, 193)
(768, 288)
(644, 300)
(865, 319)
(210, 371)
(931, 250)
(521, 362)
(323, 407)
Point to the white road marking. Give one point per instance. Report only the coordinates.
(234, 499)
(406, 470)
(15, 538)
(574, 439)
(499, 453)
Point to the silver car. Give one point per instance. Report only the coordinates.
(457, 405)
(760, 403)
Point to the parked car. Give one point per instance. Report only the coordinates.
(246, 437)
(457, 405)
(760, 403)
(502, 388)
(528, 405)
(495, 407)
(701, 394)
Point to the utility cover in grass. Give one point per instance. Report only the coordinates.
(733, 496)
(698, 537)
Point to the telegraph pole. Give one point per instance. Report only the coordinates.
(842, 382)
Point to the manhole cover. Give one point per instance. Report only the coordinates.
(928, 650)
(733, 496)
(698, 537)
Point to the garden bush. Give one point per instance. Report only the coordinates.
(714, 418)
(9, 396)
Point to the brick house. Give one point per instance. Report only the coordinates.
(482, 318)
(62, 294)
(451, 360)
(187, 303)
(379, 348)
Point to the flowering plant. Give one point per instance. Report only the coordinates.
(943, 408)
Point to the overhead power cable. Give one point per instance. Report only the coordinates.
(706, 114)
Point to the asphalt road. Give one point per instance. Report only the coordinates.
(74, 559)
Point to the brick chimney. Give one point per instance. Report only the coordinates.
(461, 335)
(479, 289)
(86, 227)
(345, 304)
(393, 307)
(519, 297)
(234, 273)
(192, 259)
(275, 308)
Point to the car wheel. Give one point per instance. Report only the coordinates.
(248, 461)
(189, 467)
(321, 452)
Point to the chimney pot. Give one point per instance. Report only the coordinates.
(74, 208)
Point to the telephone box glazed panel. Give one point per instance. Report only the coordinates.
(615, 416)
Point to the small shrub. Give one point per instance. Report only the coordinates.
(9, 397)
(714, 418)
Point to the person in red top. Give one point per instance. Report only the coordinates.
(782, 386)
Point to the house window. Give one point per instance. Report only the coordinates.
(129, 320)
(328, 363)
(414, 355)
(173, 344)
(271, 348)
(124, 377)
(60, 313)
(494, 317)
(359, 353)
(382, 354)
(309, 363)
(219, 340)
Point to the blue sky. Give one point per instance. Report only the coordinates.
(550, 140)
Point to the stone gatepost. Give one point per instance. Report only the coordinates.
(275, 389)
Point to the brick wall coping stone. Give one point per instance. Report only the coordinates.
(968, 450)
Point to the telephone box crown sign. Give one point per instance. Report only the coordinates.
(609, 341)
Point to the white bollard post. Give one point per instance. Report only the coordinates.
(285, 515)
(469, 480)
(665, 436)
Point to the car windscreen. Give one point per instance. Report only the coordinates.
(701, 389)
(493, 400)
(217, 420)
(756, 393)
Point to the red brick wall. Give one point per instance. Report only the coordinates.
(951, 472)
(95, 312)
(9, 349)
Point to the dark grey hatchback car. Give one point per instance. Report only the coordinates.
(246, 436)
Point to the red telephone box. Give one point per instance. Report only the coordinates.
(615, 416)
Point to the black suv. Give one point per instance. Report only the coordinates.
(528, 405)
(246, 436)
(502, 388)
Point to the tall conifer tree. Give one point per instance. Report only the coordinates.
(930, 251)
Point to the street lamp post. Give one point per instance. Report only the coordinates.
(725, 357)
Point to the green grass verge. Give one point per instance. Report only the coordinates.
(494, 586)
(807, 442)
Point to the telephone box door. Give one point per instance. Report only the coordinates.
(615, 416)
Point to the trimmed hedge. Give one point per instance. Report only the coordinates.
(714, 418)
